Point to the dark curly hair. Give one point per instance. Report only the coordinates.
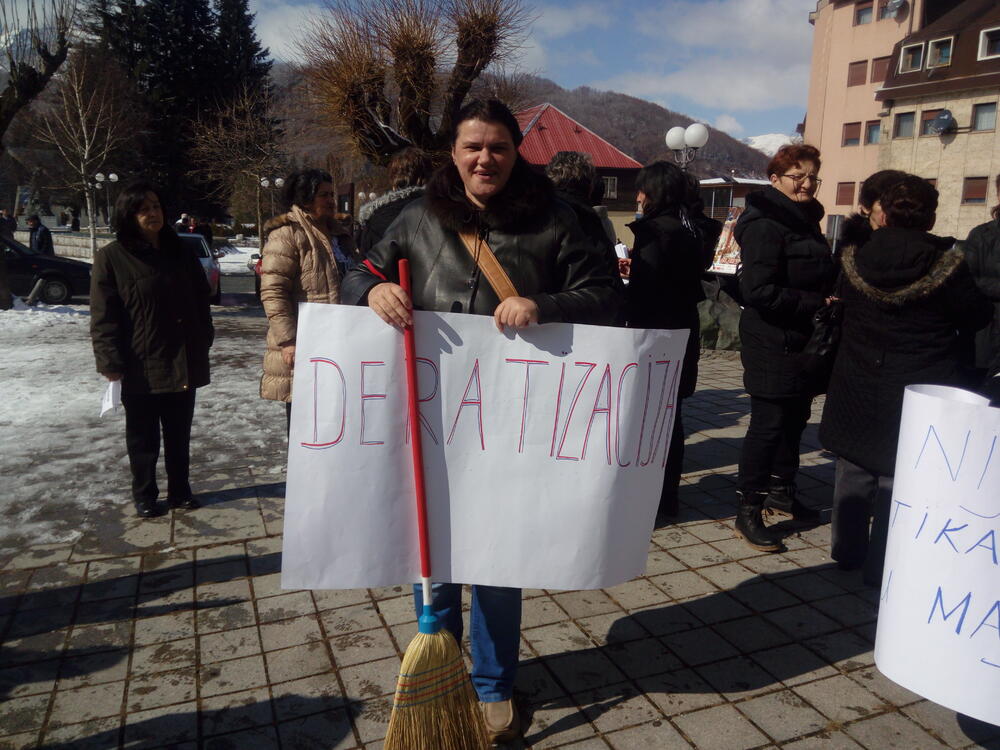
(665, 186)
(572, 172)
(873, 187)
(301, 186)
(910, 203)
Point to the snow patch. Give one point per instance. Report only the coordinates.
(770, 143)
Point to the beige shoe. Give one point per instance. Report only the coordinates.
(501, 720)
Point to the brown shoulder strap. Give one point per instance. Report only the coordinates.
(483, 256)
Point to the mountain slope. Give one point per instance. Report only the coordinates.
(638, 128)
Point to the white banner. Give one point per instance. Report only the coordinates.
(939, 617)
(543, 451)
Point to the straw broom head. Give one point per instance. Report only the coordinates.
(435, 707)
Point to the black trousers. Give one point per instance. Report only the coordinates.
(770, 452)
(860, 496)
(145, 415)
(675, 462)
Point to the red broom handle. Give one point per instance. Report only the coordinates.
(413, 409)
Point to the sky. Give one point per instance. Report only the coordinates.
(741, 66)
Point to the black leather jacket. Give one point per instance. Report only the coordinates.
(535, 237)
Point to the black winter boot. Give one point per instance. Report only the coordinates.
(750, 526)
(781, 499)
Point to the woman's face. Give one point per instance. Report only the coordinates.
(324, 203)
(149, 217)
(484, 154)
(799, 183)
(876, 217)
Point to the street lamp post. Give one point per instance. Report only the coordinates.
(266, 183)
(111, 178)
(685, 142)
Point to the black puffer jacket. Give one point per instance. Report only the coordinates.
(535, 238)
(906, 295)
(786, 275)
(665, 284)
(982, 252)
(150, 319)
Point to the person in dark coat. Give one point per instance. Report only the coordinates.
(8, 224)
(40, 239)
(906, 296)
(982, 253)
(408, 173)
(787, 275)
(489, 191)
(151, 328)
(665, 289)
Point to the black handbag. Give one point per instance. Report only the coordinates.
(821, 348)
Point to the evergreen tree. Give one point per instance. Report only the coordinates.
(242, 62)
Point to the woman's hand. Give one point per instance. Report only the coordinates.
(391, 303)
(113, 376)
(831, 300)
(288, 355)
(515, 312)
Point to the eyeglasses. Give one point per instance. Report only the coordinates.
(799, 179)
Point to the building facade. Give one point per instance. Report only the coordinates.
(853, 43)
(940, 100)
(885, 76)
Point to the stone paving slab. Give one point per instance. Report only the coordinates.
(174, 632)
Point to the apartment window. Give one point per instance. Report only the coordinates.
(852, 134)
(939, 53)
(857, 73)
(984, 116)
(883, 10)
(974, 189)
(862, 14)
(911, 58)
(880, 69)
(904, 125)
(989, 43)
(873, 130)
(927, 119)
(845, 193)
(610, 187)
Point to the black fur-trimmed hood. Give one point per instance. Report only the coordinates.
(366, 211)
(899, 266)
(525, 202)
(857, 230)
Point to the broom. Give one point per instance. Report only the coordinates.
(435, 707)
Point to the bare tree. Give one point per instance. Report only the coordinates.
(238, 145)
(89, 122)
(382, 66)
(35, 43)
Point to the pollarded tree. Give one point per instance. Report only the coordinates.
(35, 43)
(384, 68)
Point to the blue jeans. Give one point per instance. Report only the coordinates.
(494, 632)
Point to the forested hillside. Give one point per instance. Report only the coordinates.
(638, 128)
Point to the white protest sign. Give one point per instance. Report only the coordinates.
(939, 617)
(543, 451)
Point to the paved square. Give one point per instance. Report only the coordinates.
(175, 633)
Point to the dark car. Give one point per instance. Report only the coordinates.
(62, 278)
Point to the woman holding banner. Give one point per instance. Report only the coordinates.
(487, 206)
(907, 296)
(787, 275)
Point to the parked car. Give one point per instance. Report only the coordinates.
(209, 261)
(256, 264)
(63, 278)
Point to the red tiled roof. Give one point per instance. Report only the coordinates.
(547, 130)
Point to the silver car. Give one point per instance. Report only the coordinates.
(209, 261)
